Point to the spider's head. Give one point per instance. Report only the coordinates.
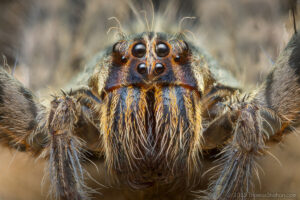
(151, 111)
(151, 59)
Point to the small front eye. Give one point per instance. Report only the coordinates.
(159, 68)
(139, 50)
(142, 68)
(162, 49)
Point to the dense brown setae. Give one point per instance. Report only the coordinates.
(152, 135)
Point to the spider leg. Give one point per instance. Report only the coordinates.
(62, 133)
(281, 90)
(65, 149)
(265, 117)
(220, 130)
(220, 118)
(22, 117)
(239, 157)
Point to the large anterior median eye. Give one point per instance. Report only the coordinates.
(139, 50)
(162, 49)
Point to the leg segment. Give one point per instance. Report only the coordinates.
(20, 113)
(267, 116)
(281, 91)
(65, 149)
(60, 132)
(238, 162)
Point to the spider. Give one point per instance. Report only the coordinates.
(152, 107)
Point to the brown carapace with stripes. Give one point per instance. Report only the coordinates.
(154, 109)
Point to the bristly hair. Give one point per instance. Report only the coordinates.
(155, 131)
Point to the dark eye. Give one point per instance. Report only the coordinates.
(142, 68)
(162, 49)
(139, 50)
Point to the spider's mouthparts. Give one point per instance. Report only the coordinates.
(157, 130)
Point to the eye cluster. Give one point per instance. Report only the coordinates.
(162, 49)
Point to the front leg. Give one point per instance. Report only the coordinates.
(26, 125)
(238, 161)
(65, 149)
(269, 115)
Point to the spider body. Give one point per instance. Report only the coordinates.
(151, 108)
